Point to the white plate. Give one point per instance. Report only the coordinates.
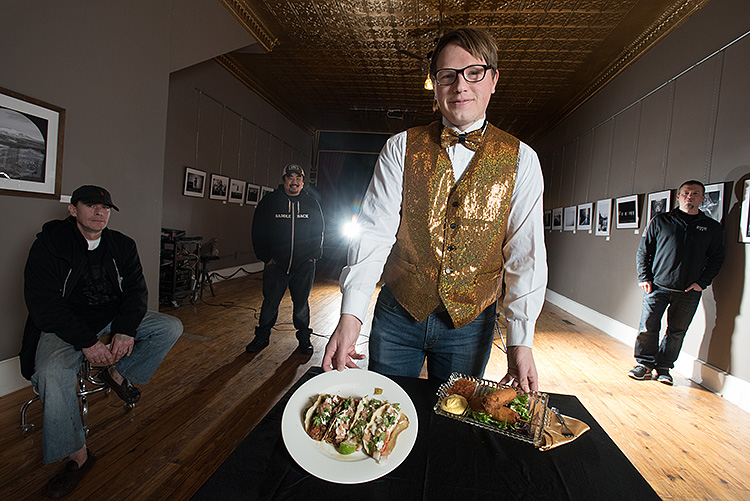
(320, 458)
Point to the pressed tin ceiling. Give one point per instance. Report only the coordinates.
(360, 65)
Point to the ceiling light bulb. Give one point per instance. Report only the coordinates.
(428, 83)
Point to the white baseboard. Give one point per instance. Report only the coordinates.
(232, 272)
(732, 388)
(10, 376)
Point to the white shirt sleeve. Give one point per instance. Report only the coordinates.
(524, 251)
(379, 218)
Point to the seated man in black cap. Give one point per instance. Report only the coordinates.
(83, 281)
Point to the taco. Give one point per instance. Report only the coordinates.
(338, 428)
(366, 408)
(319, 415)
(381, 431)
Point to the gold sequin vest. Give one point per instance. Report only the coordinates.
(449, 245)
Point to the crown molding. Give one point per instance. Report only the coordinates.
(251, 19)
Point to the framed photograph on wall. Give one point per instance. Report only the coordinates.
(31, 146)
(745, 215)
(657, 203)
(547, 219)
(569, 218)
(195, 183)
(557, 218)
(237, 191)
(584, 216)
(713, 204)
(626, 209)
(219, 187)
(603, 217)
(265, 190)
(253, 194)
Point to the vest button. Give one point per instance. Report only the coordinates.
(453, 225)
(455, 204)
(448, 271)
(450, 248)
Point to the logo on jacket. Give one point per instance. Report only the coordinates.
(701, 228)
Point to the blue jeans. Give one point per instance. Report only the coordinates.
(399, 344)
(680, 308)
(275, 282)
(56, 378)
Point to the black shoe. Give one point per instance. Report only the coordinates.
(640, 372)
(305, 346)
(663, 376)
(126, 391)
(64, 482)
(256, 345)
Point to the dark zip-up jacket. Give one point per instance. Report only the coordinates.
(52, 270)
(287, 229)
(673, 254)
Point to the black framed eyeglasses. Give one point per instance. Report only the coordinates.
(473, 73)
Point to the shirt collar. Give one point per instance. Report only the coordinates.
(476, 125)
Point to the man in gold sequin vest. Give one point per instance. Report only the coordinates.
(452, 221)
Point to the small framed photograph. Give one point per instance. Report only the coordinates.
(237, 191)
(195, 183)
(265, 190)
(713, 204)
(626, 209)
(557, 218)
(547, 219)
(657, 203)
(569, 219)
(745, 215)
(603, 217)
(219, 187)
(31, 146)
(584, 216)
(252, 194)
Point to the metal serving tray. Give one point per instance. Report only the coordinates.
(530, 432)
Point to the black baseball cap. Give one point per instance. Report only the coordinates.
(90, 194)
(293, 168)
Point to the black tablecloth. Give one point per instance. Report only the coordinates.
(449, 458)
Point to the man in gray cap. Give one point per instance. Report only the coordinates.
(288, 237)
(83, 281)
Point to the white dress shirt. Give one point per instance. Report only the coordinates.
(523, 249)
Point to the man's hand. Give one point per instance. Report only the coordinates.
(340, 350)
(98, 354)
(121, 346)
(694, 287)
(647, 286)
(521, 369)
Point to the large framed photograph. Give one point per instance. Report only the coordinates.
(657, 203)
(237, 191)
(31, 146)
(603, 217)
(253, 194)
(569, 219)
(219, 187)
(195, 183)
(626, 209)
(745, 215)
(584, 216)
(713, 204)
(557, 218)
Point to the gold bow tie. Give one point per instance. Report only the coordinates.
(449, 137)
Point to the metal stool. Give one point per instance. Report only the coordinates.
(87, 385)
(205, 276)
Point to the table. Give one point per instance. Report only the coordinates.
(449, 458)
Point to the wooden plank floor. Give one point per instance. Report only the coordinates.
(208, 394)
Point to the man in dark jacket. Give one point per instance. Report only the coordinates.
(83, 281)
(288, 237)
(679, 255)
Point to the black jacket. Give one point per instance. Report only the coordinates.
(287, 229)
(674, 254)
(54, 266)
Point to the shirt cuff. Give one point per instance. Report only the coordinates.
(355, 303)
(520, 333)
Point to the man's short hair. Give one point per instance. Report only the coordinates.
(692, 181)
(478, 43)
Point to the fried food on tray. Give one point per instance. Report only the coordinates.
(499, 398)
(476, 403)
(462, 387)
(504, 414)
